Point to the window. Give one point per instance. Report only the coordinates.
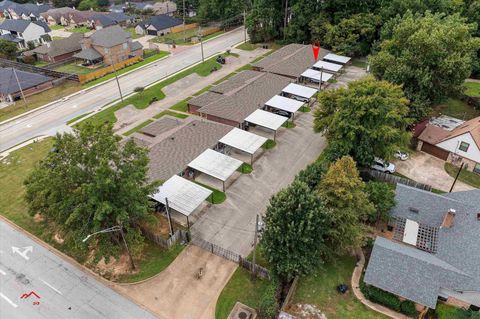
(476, 169)
(464, 146)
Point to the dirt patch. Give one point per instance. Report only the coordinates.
(306, 311)
(116, 267)
(160, 227)
(58, 238)
(38, 218)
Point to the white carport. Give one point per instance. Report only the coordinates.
(285, 104)
(215, 164)
(327, 66)
(314, 75)
(244, 141)
(266, 119)
(332, 57)
(301, 91)
(181, 195)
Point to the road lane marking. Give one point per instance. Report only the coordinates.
(56, 290)
(8, 300)
(29, 125)
(23, 253)
(2, 272)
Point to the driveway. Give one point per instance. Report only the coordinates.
(177, 293)
(428, 169)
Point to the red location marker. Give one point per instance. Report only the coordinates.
(315, 49)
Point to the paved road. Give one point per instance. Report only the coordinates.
(54, 117)
(63, 290)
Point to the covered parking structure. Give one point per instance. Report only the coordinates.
(340, 59)
(267, 120)
(316, 76)
(327, 66)
(299, 92)
(285, 104)
(244, 141)
(215, 164)
(181, 195)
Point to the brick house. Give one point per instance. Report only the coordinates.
(30, 83)
(59, 50)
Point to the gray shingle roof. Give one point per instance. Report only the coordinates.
(172, 155)
(109, 37)
(10, 37)
(102, 20)
(135, 45)
(164, 124)
(418, 275)
(21, 25)
(62, 46)
(238, 106)
(205, 99)
(119, 17)
(236, 82)
(8, 82)
(162, 21)
(88, 54)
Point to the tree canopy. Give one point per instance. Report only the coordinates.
(366, 120)
(342, 192)
(382, 197)
(429, 55)
(8, 49)
(294, 226)
(89, 182)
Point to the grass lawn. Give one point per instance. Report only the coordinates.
(359, 63)
(40, 64)
(184, 39)
(39, 99)
(319, 289)
(132, 32)
(269, 144)
(470, 178)
(240, 288)
(143, 100)
(305, 109)
(218, 197)
(247, 46)
(78, 117)
(109, 76)
(79, 30)
(154, 260)
(74, 68)
(57, 38)
(138, 127)
(245, 168)
(289, 124)
(473, 89)
(456, 108)
(181, 106)
(175, 114)
(56, 27)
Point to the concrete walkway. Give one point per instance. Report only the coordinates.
(357, 273)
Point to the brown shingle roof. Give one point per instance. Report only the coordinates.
(205, 99)
(172, 155)
(433, 134)
(238, 106)
(62, 46)
(472, 126)
(278, 55)
(236, 82)
(161, 126)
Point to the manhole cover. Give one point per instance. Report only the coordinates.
(242, 315)
(22, 279)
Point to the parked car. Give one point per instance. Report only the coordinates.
(299, 98)
(401, 155)
(383, 166)
(282, 113)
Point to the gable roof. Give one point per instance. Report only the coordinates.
(119, 17)
(434, 134)
(25, 8)
(21, 25)
(9, 84)
(102, 20)
(161, 22)
(110, 36)
(61, 46)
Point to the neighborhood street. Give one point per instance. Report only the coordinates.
(36, 283)
(53, 118)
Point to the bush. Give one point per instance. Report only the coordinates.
(407, 307)
(28, 59)
(381, 297)
(138, 89)
(268, 306)
(153, 99)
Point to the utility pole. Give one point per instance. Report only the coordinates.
(244, 26)
(254, 270)
(19, 86)
(456, 177)
(184, 37)
(201, 43)
(116, 77)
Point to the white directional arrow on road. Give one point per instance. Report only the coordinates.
(23, 251)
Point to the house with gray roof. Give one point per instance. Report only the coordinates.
(23, 32)
(110, 45)
(59, 50)
(158, 25)
(435, 250)
(22, 11)
(14, 82)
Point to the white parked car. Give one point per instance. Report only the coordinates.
(401, 155)
(383, 166)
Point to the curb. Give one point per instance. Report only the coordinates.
(75, 263)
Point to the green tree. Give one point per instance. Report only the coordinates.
(294, 226)
(429, 55)
(8, 49)
(366, 120)
(353, 36)
(312, 174)
(65, 3)
(302, 13)
(342, 192)
(90, 182)
(382, 197)
(85, 5)
(264, 21)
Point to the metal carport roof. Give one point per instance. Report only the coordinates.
(300, 90)
(327, 66)
(183, 196)
(284, 103)
(215, 164)
(243, 140)
(266, 119)
(336, 58)
(315, 75)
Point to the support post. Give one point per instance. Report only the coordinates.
(19, 86)
(274, 135)
(169, 218)
(320, 81)
(223, 186)
(188, 224)
(255, 248)
(251, 160)
(126, 247)
(456, 177)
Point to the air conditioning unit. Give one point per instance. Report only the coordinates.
(241, 311)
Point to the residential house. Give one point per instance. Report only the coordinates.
(22, 11)
(13, 82)
(24, 31)
(158, 25)
(100, 21)
(128, 6)
(453, 141)
(110, 45)
(434, 253)
(68, 17)
(59, 50)
(165, 7)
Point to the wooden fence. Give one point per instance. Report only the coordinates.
(109, 69)
(33, 69)
(257, 270)
(180, 27)
(393, 179)
(290, 294)
(179, 235)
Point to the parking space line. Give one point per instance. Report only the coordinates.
(55, 289)
(8, 300)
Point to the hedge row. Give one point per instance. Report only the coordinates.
(388, 300)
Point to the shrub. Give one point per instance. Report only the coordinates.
(138, 89)
(312, 174)
(28, 59)
(153, 99)
(381, 297)
(268, 306)
(407, 307)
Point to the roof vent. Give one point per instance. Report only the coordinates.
(172, 138)
(413, 210)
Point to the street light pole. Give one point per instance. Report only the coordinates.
(201, 43)
(244, 26)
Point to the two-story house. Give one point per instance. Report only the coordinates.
(24, 31)
(22, 11)
(110, 45)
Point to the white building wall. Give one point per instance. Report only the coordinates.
(452, 145)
